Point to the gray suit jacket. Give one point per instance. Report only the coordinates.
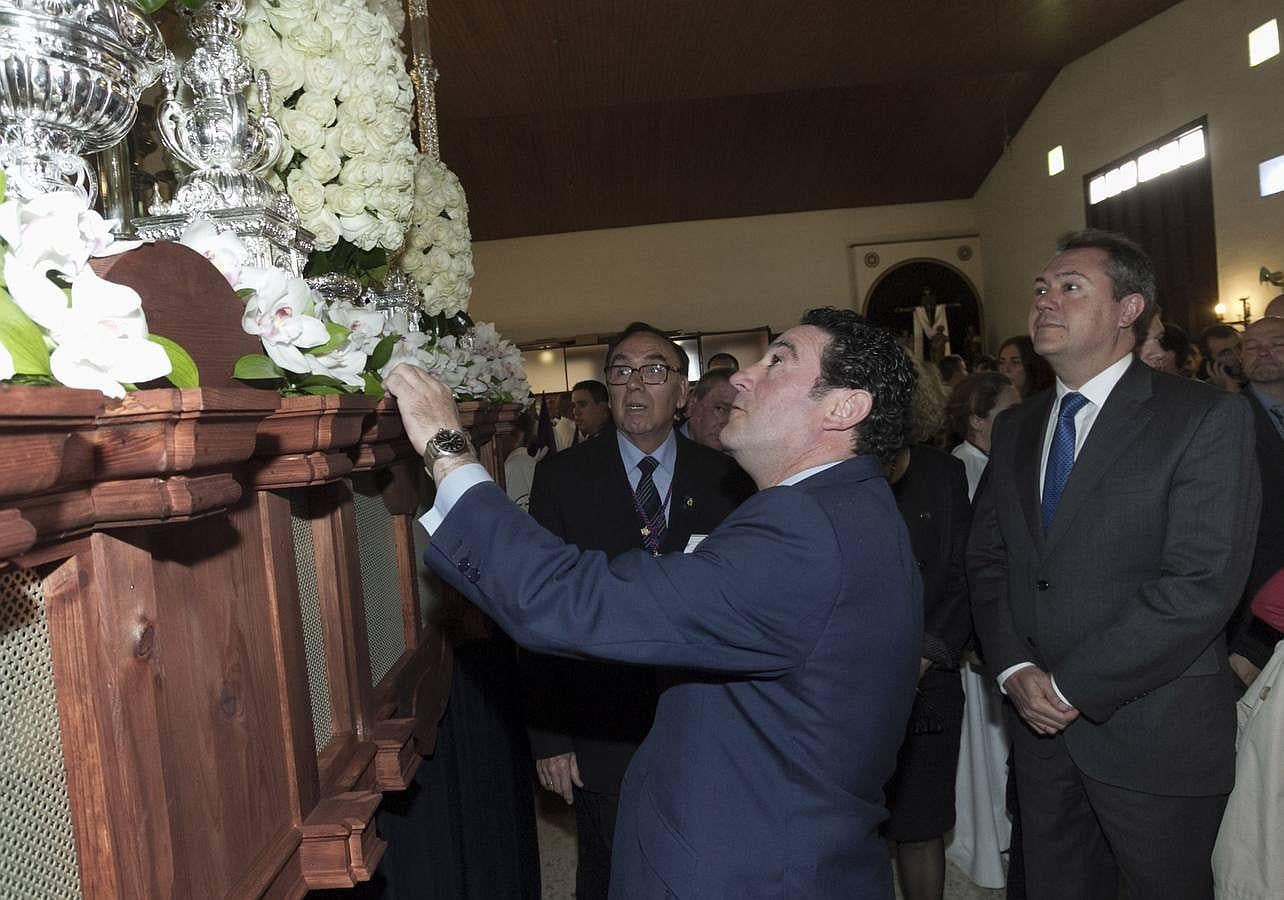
(1126, 598)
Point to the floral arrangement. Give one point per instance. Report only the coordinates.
(314, 346)
(438, 254)
(62, 324)
(478, 365)
(343, 98)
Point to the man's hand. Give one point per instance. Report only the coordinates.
(426, 407)
(558, 773)
(1218, 375)
(1246, 671)
(1037, 701)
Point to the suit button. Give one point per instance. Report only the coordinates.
(922, 564)
(1042, 585)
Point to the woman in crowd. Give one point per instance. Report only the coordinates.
(969, 416)
(1028, 371)
(931, 493)
(982, 830)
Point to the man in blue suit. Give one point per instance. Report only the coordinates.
(798, 623)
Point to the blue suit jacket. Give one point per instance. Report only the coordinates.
(802, 616)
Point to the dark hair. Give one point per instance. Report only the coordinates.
(596, 389)
(1216, 331)
(949, 366)
(1038, 373)
(866, 357)
(1129, 268)
(709, 380)
(975, 395)
(734, 366)
(985, 363)
(643, 328)
(1174, 338)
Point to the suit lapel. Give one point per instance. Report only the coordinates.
(1118, 423)
(1029, 454)
(682, 500)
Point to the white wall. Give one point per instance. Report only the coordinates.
(716, 275)
(1185, 63)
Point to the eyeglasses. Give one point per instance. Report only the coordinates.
(652, 373)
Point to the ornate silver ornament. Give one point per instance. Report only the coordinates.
(226, 147)
(71, 72)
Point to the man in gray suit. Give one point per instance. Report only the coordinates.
(1110, 543)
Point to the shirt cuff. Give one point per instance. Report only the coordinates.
(1008, 673)
(1060, 695)
(452, 487)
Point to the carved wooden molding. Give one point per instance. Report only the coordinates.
(396, 756)
(340, 847)
(16, 534)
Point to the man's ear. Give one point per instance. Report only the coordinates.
(1130, 310)
(846, 408)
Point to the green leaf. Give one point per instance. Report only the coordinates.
(150, 6)
(257, 367)
(382, 353)
(245, 293)
(3, 184)
(22, 338)
(374, 384)
(338, 334)
(320, 389)
(318, 381)
(183, 373)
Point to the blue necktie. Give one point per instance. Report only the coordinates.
(650, 509)
(1060, 455)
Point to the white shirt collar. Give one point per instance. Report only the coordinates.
(1097, 388)
(666, 454)
(807, 473)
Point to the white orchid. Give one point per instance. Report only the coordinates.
(224, 249)
(96, 332)
(102, 339)
(367, 324)
(346, 363)
(281, 313)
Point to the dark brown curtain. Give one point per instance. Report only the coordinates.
(1171, 217)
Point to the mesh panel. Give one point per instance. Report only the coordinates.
(310, 611)
(380, 578)
(37, 849)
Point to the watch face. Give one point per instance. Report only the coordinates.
(450, 442)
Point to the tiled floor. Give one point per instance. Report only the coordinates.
(557, 857)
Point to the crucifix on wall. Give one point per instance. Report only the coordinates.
(931, 326)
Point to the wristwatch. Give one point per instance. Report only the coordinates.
(446, 444)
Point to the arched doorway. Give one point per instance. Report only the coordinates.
(941, 293)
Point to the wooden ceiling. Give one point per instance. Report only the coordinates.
(566, 115)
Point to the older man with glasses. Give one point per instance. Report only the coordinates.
(642, 486)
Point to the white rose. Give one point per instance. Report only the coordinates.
(318, 107)
(322, 164)
(285, 16)
(345, 199)
(324, 226)
(310, 38)
(353, 139)
(302, 131)
(306, 192)
(363, 230)
(361, 171)
(323, 76)
(364, 109)
(393, 235)
(398, 175)
(258, 38)
(283, 76)
(388, 130)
